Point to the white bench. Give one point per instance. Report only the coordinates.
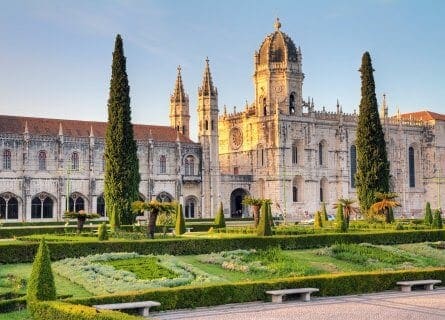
(188, 229)
(143, 306)
(405, 286)
(305, 294)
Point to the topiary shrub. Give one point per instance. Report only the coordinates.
(264, 229)
(318, 220)
(102, 232)
(41, 282)
(180, 221)
(340, 223)
(391, 215)
(428, 220)
(324, 212)
(220, 221)
(437, 219)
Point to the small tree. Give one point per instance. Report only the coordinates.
(180, 220)
(220, 221)
(318, 220)
(437, 219)
(428, 215)
(340, 222)
(324, 212)
(154, 208)
(256, 204)
(386, 201)
(102, 233)
(264, 229)
(41, 285)
(81, 217)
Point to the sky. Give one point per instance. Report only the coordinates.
(55, 56)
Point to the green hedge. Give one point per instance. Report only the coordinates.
(25, 252)
(56, 310)
(11, 305)
(329, 285)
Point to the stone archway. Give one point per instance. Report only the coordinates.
(237, 210)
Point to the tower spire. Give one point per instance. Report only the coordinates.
(179, 107)
(207, 87)
(179, 93)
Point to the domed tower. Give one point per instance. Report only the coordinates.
(179, 107)
(278, 77)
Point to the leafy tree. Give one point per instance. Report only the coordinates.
(102, 233)
(318, 220)
(256, 204)
(154, 208)
(340, 222)
(437, 219)
(264, 228)
(428, 215)
(348, 208)
(180, 220)
(324, 212)
(220, 221)
(81, 217)
(41, 285)
(121, 162)
(385, 202)
(372, 160)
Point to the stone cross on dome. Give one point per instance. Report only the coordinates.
(277, 24)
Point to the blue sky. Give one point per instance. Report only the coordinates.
(55, 56)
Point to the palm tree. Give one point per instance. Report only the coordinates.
(256, 204)
(348, 208)
(154, 208)
(387, 202)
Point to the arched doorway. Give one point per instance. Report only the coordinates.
(190, 207)
(236, 206)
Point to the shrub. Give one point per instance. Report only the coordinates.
(399, 226)
(264, 229)
(102, 233)
(66, 311)
(220, 222)
(428, 220)
(180, 220)
(324, 213)
(437, 219)
(340, 222)
(41, 282)
(318, 221)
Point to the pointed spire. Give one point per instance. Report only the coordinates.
(179, 93)
(384, 110)
(207, 83)
(60, 129)
(26, 128)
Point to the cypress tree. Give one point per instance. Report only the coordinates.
(102, 232)
(437, 219)
(372, 161)
(121, 162)
(318, 220)
(180, 221)
(324, 212)
(220, 221)
(340, 222)
(41, 285)
(264, 228)
(428, 220)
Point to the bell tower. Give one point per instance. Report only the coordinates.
(278, 77)
(179, 107)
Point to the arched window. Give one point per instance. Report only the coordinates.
(76, 203)
(297, 189)
(163, 164)
(411, 166)
(292, 103)
(7, 159)
(164, 197)
(294, 194)
(2, 208)
(353, 165)
(100, 207)
(320, 153)
(264, 107)
(42, 160)
(212, 125)
(207, 125)
(75, 161)
(41, 207)
(323, 190)
(9, 207)
(189, 165)
(190, 207)
(294, 153)
(260, 156)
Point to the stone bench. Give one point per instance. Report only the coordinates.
(405, 286)
(143, 306)
(188, 229)
(305, 294)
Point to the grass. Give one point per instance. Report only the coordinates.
(16, 315)
(143, 268)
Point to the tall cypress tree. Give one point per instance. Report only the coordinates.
(121, 162)
(372, 161)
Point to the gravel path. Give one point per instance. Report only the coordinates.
(385, 305)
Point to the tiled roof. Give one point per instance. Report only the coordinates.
(423, 116)
(77, 128)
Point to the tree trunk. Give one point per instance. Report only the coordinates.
(152, 224)
(80, 223)
(387, 218)
(256, 215)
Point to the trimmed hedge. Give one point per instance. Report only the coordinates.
(11, 305)
(25, 252)
(56, 310)
(209, 295)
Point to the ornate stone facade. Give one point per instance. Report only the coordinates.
(279, 147)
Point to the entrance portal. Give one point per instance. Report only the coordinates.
(237, 209)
